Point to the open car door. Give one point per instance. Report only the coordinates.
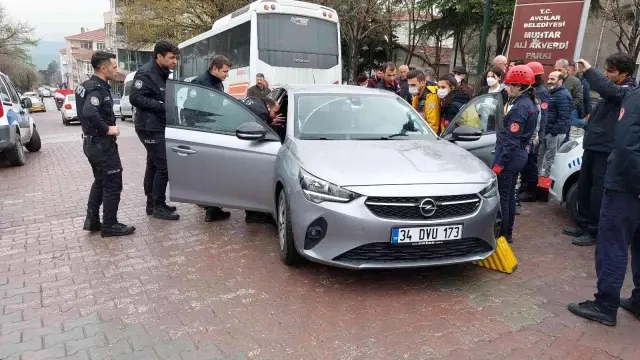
(218, 152)
(484, 113)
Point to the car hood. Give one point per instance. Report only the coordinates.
(389, 162)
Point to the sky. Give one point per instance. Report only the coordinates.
(55, 19)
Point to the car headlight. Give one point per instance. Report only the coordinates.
(568, 146)
(490, 190)
(317, 190)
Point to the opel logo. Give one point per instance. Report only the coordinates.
(427, 207)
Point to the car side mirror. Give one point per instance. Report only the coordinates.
(251, 131)
(466, 133)
(26, 103)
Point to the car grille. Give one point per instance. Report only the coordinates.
(408, 208)
(383, 252)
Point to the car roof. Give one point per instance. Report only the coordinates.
(334, 89)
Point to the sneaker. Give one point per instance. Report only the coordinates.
(590, 311)
(215, 214)
(631, 306)
(164, 213)
(584, 240)
(117, 230)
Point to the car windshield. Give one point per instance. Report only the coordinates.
(35, 100)
(71, 98)
(357, 117)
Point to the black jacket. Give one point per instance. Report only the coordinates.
(259, 107)
(603, 119)
(623, 165)
(559, 112)
(452, 105)
(404, 90)
(147, 96)
(586, 90)
(209, 81)
(95, 106)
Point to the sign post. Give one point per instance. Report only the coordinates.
(546, 31)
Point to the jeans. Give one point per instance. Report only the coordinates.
(619, 229)
(102, 153)
(548, 148)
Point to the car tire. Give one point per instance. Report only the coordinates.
(288, 253)
(65, 121)
(35, 143)
(572, 202)
(16, 155)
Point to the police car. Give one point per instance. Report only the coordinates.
(565, 173)
(17, 129)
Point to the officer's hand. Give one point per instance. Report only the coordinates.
(113, 131)
(584, 63)
(278, 120)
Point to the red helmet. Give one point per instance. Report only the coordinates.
(519, 74)
(536, 67)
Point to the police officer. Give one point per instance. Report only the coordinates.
(520, 122)
(212, 78)
(529, 174)
(147, 96)
(99, 130)
(612, 86)
(619, 221)
(267, 110)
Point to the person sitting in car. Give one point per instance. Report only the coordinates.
(452, 100)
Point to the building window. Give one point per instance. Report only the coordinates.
(100, 46)
(132, 60)
(86, 45)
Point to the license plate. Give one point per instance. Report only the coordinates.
(426, 235)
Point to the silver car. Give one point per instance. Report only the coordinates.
(356, 180)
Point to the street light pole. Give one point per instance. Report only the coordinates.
(483, 36)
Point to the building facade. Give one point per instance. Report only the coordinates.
(75, 58)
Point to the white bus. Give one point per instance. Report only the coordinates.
(290, 42)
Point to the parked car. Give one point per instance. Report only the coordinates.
(126, 110)
(116, 108)
(356, 180)
(17, 128)
(45, 92)
(30, 94)
(565, 173)
(36, 105)
(68, 110)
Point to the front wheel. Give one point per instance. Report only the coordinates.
(16, 155)
(288, 252)
(572, 202)
(35, 143)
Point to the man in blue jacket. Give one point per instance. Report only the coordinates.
(598, 141)
(558, 121)
(619, 221)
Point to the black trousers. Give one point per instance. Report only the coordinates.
(529, 174)
(156, 175)
(102, 153)
(591, 189)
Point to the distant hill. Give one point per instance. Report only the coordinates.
(45, 52)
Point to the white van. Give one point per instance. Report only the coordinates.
(17, 129)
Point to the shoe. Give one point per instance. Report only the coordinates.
(215, 214)
(149, 208)
(117, 230)
(163, 212)
(518, 208)
(575, 232)
(631, 306)
(92, 224)
(590, 311)
(584, 240)
(527, 197)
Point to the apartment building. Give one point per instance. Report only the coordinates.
(75, 58)
(129, 58)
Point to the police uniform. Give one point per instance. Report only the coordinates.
(95, 110)
(619, 225)
(529, 174)
(521, 116)
(148, 97)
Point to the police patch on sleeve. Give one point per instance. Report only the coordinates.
(138, 84)
(94, 101)
(515, 127)
(544, 106)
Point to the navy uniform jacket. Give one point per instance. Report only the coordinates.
(95, 106)
(623, 165)
(519, 126)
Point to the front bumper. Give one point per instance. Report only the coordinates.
(37, 108)
(357, 239)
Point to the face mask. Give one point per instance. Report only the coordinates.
(491, 81)
(442, 93)
(458, 78)
(413, 90)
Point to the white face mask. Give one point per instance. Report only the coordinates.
(491, 81)
(413, 90)
(442, 93)
(458, 78)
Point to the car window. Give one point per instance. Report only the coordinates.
(12, 90)
(197, 108)
(5, 93)
(357, 117)
(481, 113)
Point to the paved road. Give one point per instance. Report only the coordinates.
(190, 290)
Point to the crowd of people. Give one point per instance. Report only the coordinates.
(537, 120)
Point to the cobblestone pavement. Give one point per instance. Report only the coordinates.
(192, 290)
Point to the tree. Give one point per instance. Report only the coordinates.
(623, 19)
(16, 38)
(175, 20)
(53, 67)
(23, 76)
